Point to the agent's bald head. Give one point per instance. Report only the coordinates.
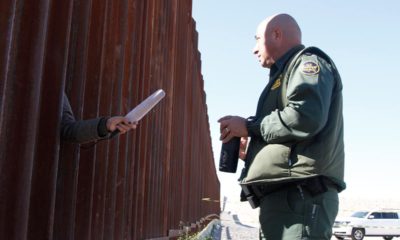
(291, 32)
(278, 33)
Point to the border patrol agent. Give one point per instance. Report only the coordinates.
(294, 166)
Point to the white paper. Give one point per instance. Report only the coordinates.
(144, 107)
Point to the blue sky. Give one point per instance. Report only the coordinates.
(362, 37)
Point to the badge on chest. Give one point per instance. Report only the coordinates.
(277, 83)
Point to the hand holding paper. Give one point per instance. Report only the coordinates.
(120, 124)
(143, 108)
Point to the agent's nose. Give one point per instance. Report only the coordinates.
(255, 50)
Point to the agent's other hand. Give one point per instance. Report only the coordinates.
(243, 148)
(121, 123)
(232, 126)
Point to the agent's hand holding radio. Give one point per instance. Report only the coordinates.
(232, 129)
(232, 126)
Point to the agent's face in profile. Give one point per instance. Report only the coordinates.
(260, 49)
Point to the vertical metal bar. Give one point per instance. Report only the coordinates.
(19, 117)
(123, 229)
(67, 179)
(91, 90)
(137, 35)
(47, 149)
(169, 138)
(121, 101)
(98, 35)
(137, 90)
(111, 104)
(7, 26)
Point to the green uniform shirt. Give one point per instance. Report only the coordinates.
(298, 128)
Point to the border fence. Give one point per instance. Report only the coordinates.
(107, 56)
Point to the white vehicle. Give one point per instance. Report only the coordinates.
(380, 223)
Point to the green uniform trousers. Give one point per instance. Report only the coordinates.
(293, 213)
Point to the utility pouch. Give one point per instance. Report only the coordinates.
(251, 197)
(315, 185)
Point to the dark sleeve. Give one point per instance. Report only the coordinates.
(253, 126)
(81, 131)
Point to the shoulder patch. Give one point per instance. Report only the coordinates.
(310, 68)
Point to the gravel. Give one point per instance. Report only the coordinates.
(232, 228)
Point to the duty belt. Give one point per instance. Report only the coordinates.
(314, 186)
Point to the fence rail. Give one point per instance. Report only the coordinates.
(107, 56)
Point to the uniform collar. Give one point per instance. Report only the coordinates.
(280, 64)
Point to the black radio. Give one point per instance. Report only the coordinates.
(228, 160)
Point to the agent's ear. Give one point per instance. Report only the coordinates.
(277, 34)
